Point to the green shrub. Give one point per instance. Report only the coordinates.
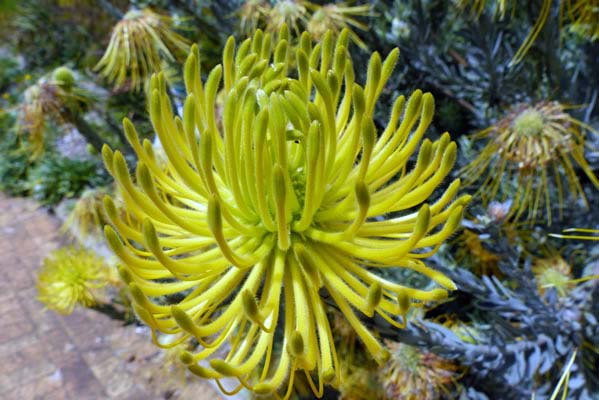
(56, 178)
(14, 161)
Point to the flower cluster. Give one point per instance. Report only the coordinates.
(532, 147)
(412, 374)
(71, 276)
(137, 45)
(289, 195)
(316, 19)
(551, 272)
(52, 98)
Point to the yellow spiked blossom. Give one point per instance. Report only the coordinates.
(290, 193)
(70, 276)
(251, 13)
(138, 44)
(336, 17)
(317, 19)
(534, 147)
(291, 13)
(553, 271)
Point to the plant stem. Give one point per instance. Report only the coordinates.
(87, 131)
(110, 9)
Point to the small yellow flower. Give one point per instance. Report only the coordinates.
(532, 147)
(27, 77)
(292, 13)
(71, 276)
(251, 13)
(50, 99)
(137, 45)
(336, 17)
(553, 272)
(287, 193)
(412, 374)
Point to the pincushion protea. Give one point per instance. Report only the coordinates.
(336, 17)
(137, 45)
(412, 374)
(531, 147)
(71, 276)
(54, 97)
(289, 196)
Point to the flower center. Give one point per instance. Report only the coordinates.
(529, 123)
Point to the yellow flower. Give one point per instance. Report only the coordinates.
(287, 12)
(532, 147)
(411, 374)
(288, 194)
(552, 272)
(336, 17)
(137, 45)
(251, 13)
(50, 99)
(71, 276)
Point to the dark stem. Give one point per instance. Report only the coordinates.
(110, 9)
(117, 313)
(119, 132)
(86, 131)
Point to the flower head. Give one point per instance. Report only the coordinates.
(292, 193)
(71, 276)
(287, 12)
(138, 43)
(530, 147)
(336, 17)
(413, 374)
(52, 98)
(251, 13)
(553, 272)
